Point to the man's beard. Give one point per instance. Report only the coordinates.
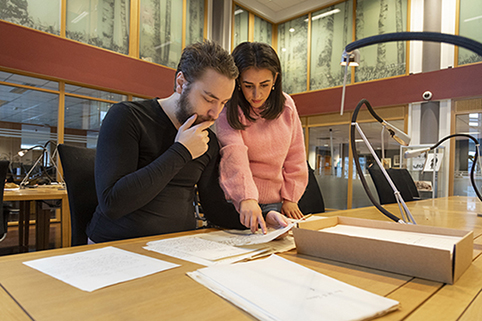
(185, 109)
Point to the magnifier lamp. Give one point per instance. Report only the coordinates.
(44, 149)
(350, 56)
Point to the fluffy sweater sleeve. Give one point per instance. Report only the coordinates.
(235, 177)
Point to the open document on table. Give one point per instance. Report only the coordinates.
(95, 269)
(278, 289)
(224, 247)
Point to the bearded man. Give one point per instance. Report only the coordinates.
(152, 153)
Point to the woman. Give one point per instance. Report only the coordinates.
(263, 165)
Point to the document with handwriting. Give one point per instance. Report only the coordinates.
(95, 269)
(195, 249)
(278, 289)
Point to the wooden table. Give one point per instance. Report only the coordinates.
(27, 294)
(42, 216)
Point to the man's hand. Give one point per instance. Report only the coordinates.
(250, 215)
(276, 220)
(195, 138)
(291, 210)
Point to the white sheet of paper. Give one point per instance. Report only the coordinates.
(198, 250)
(278, 289)
(443, 242)
(95, 269)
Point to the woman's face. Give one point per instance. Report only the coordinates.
(256, 85)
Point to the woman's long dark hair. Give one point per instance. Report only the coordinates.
(262, 56)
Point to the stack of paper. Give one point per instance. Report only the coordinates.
(223, 247)
(278, 289)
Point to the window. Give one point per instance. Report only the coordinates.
(161, 31)
(331, 31)
(41, 15)
(102, 23)
(292, 51)
(241, 23)
(469, 26)
(195, 21)
(262, 30)
(374, 17)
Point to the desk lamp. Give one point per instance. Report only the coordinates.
(415, 152)
(350, 56)
(22, 152)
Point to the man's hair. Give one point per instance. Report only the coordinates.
(198, 57)
(260, 56)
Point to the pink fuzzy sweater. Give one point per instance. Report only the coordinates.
(266, 161)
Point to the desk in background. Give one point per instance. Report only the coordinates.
(42, 216)
(172, 295)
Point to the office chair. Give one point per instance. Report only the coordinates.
(384, 190)
(402, 177)
(3, 214)
(78, 165)
(312, 200)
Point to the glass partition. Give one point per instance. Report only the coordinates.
(161, 31)
(94, 93)
(292, 51)
(328, 156)
(331, 31)
(102, 23)
(470, 124)
(83, 118)
(470, 24)
(28, 118)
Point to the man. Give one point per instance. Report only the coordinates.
(151, 153)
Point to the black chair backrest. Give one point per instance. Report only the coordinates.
(401, 177)
(312, 200)
(3, 217)
(78, 164)
(384, 190)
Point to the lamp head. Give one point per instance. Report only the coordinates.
(22, 152)
(352, 57)
(399, 136)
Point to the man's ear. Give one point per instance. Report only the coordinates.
(180, 82)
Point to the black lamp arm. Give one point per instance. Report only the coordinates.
(357, 162)
(460, 41)
(472, 170)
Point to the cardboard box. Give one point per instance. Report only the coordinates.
(413, 260)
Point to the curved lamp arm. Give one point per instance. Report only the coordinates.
(460, 41)
(401, 203)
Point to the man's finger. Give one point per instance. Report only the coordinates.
(204, 125)
(188, 123)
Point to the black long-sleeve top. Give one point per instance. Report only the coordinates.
(145, 181)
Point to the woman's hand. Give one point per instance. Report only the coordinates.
(250, 215)
(291, 210)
